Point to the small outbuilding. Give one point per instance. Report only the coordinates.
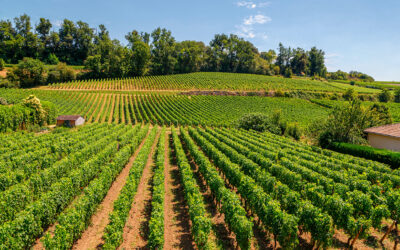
(385, 137)
(70, 120)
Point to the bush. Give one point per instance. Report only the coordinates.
(51, 111)
(5, 83)
(274, 124)
(385, 96)
(288, 73)
(2, 64)
(28, 73)
(52, 59)
(293, 130)
(61, 73)
(382, 155)
(350, 94)
(254, 121)
(397, 95)
(3, 101)
(346, 123)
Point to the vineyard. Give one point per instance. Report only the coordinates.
(208, 81)
(170, 109)
(117, 186)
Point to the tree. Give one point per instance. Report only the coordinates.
(66, 43)
(141, 52)
(317, 62)
(190, 56)
(299, 62)
(163, 52)
(283, 59)
(29, 72)
(269, 56)
(346, 123)
(43, 30)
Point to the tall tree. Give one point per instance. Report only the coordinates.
(163, 52)
(190, 56)
(141, 54)
(317, 62)
(299, 62)
(284, 57)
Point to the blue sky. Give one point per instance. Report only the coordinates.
(361, 35)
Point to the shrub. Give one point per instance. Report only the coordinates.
(293, 130)
(279, 93)
(61, 73)
(397, 95)
(288, 73)
(385, 96)
(5, 83)
(254, 121)
(28, 73)
(3, 101)
(350, 94)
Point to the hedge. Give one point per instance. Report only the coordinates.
(382, 155)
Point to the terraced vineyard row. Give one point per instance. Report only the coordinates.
(172, 109)
(56, 186)
(208, 81)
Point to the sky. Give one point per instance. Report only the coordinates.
(362, 35)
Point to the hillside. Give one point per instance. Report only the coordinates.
(210, 81)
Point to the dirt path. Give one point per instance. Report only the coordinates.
(136, 227)
(112, 109)
(176, 217)
(92, 237)
(100, 113)
(220, 234)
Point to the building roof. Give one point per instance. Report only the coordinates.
(392, 130)
(68, 117)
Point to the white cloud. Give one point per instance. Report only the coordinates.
(257, 19)
(252, 5)
(57, 23)
(245, 31)
(248, 32)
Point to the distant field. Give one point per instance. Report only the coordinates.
(209, 81)
(170, 109)
(394, 108)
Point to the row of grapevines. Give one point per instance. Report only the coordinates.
(75, 219)
(201, 224)
(311, 218)
(235, 215)
(206, 81)
(17, 197)
(29, 224)
(156, 223)
(22, 167)
(114, 231)
(356, 211)
(281, 224)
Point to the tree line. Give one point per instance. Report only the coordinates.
(155, 53)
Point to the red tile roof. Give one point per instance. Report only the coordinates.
(392, 130)
(68, 117)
